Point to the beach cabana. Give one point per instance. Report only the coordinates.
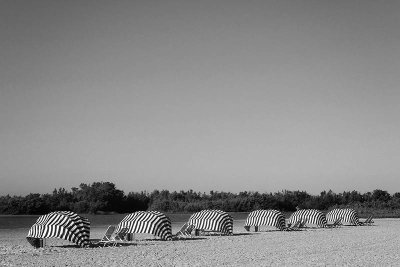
(347, 216)
(265, 217)
(148, 222)
(213, 221)
(309, 216)
(60, 224)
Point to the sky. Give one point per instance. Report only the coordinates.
(219, 95)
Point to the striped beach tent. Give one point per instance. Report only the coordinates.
(348, 216)
(310, 216)
(61, 224)
(267, 218)
(149, 222)
(212, 220)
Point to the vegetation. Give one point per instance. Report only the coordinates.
(104, 197)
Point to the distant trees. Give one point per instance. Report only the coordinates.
(105, 197)
(99, 196)
(88, 198)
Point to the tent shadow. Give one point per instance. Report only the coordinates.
(119, 244)
(67, 246)
(189, 239)
(94, 243)
(270, 231)
(253, 233)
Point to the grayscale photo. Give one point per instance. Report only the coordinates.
(199, 133)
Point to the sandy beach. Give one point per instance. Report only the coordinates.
(377, 245)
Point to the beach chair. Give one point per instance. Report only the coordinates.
(120, 236)
(303, 224)
(336, 223)
(107, 237)
(185, 231)
(368, 221)
(294, 227)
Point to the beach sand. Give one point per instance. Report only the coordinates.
(377, 245)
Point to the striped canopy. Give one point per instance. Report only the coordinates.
(61, 224)
(266, 217)
(310, 216)
(348, 216)
(212, 220)
(149, 222)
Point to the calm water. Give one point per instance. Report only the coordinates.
(26, 221)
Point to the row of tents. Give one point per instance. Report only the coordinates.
(74, 228)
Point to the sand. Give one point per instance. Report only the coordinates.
(377, 245)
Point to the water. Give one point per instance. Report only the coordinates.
(26, 221)
(17, 221)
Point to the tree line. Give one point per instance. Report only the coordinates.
(104, 197)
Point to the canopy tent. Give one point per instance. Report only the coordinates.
(60, 224)
(347, 216)
(150, 222)
(309, 216)
(212, 220)
(266, 217)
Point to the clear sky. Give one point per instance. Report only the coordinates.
(205, 95)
